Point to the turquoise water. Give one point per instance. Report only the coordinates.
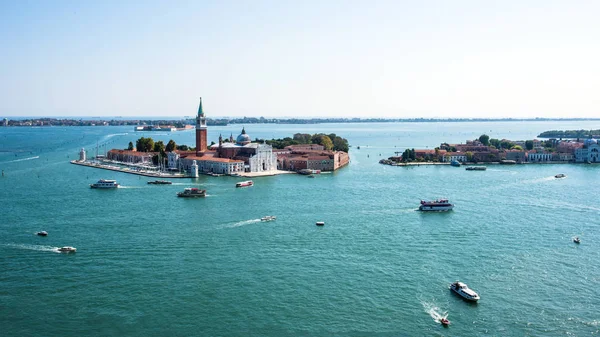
(150, 264)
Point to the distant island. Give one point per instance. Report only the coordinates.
(570, 134)
(180, 123)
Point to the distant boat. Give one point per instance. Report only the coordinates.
(42, 233)
(244, 183)
(320, 223)
(476, 168)
(508, 162)
(160, 182)
(560, 175)
(576, 240)
(190, 192)
(444, 321)
(440, 205)
(268, 218)
(67, 249)
(104, 184)
(455, 163)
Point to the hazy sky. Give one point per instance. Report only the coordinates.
(324, 58)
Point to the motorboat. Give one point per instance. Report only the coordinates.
(320, 223)
(444, 321)
(476, 168)
(576, 239)
(268, 218)
(67, 249)
(192, 192)
(42, 233)
(455, 163)
(160, 182)
(244, 183)
(105, 183)
(440, 205)
(464, 291)
(560, 175)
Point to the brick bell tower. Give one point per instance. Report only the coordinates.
(201, 131)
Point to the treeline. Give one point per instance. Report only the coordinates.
(149, 145)
(570, 134)
(329, 142)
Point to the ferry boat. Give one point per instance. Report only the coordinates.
(268, 218)
(476, 168)
(67, 249)
(105, 183)
(464, 291)
(191, 192)
(440, 205)
(244, 183)
(160, 182)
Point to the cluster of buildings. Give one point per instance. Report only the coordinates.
(234, 156)
(587, 151)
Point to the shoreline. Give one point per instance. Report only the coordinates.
(481, 163)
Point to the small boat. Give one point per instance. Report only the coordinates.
(476, 168)
(190, 192)
(244, 183)
(160, 182)
(440, 205)
(268, 218)
(105, 183)
(42, 233)
(444, 321)
(464, 291)
(576, 239)
(455, 163)
(310, 176)
(560, 175)
(67, 249)
(320, 223)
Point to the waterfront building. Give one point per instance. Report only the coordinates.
(295, 157)
(538, 157)
(131, 157)
(518, 156)
(589, 153)
(257, 157)
(454, 156)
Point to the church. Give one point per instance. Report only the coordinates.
(225, 157)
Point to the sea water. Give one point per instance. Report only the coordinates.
(151, 264)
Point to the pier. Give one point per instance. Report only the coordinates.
(130, 170)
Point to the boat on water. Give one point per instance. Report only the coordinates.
(244, 183)
(268, 218)
(160, 182)
(105, 183)
(455, 163)
(576, 239)
(309, 171)
(444, 321)
(560, 175)
(67, 249)
(464, 291)
(192, 192)
(476, 168)
(440, 205)
(320, 223)
(42, 233)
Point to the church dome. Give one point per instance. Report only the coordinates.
(243, 138)
(590, 141)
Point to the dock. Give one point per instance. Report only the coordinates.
(130, 171)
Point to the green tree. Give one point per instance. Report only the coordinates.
(326, 142)
(144, 144)
(529, 144)
(406, 155)
(469, 156)
(517, 147)
(494, 142)
(484, 139)
(130, 147)
(302, 138)
(340, 144)
(159, 146)
(171, 146)
(182, 147)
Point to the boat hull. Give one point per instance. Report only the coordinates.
(435, 208)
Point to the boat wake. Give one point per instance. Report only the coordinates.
(243, 223)
(22, 159)
(35, 247)
(434, 312)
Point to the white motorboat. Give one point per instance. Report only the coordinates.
(105, 183)
(320, 223)
(576, 239)
(67, 249)
(268, 218)
(464, 291)
(42, 233)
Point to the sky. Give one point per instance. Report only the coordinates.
(304, 59)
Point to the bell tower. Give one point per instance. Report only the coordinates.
(201, 131)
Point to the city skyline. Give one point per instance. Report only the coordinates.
(382, 59)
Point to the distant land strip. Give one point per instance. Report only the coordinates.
(103, 121)
(570, 134)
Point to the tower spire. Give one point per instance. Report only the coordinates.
(200, 111)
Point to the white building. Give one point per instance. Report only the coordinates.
(538, 157)
(589, 153)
